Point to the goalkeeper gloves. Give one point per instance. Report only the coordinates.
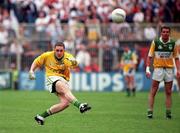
(31, 75)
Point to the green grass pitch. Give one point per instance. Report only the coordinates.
(112, 112)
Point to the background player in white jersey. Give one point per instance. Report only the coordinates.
(57, 65)
(162, 51)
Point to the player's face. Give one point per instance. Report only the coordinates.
(59, 51)
(165, 33)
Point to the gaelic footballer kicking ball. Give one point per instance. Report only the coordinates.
(118, 15)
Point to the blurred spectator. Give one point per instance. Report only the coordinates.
(39, 4)
(149, 32)
(83, 57)
(23, 35)
(168, 16)
(104, 11)
(103, 42)
(3, 36)
(16, 48)
(107, 59)
(93, 67)
(82, 12)
(93, 49)
(28, 55)
(41, 25)
(6, 20)
(176, 11)
(69, 45)
(15, 75)
(113, 30)
(138, 14)
(73, 24)
(54, 30)
(80, 36)
(64, 14)
(29, 11)
(137, 31)
(93, 24)
(14, 24)
(125, 31)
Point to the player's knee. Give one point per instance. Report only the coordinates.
(65, 104)
(168, 92)
(153, 91)
(59, 87)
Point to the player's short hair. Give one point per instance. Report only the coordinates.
(165, 27)
(59, 44)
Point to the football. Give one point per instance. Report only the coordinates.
(118, 15)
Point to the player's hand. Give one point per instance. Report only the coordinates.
(70, 62)
(148, 72)
(31, 75)
(178, 74)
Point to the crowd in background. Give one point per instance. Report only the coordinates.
(29, 11)
(82, 25)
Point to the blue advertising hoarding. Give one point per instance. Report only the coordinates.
(90, 82)
(5, 80)
(26, 84)
(104, 82)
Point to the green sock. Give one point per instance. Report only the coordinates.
(76, 103)
(168, 111)
(46, 114)
(128, 91)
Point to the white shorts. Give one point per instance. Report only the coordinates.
(51, 79)
(163, 74)
(131, 72)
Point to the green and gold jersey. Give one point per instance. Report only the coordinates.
(163, 53)
(54, 67)
(128, 60)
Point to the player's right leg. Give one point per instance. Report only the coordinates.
(153, 91)
(39, 119)
(63, 104)
(132, 81)
(158, 75)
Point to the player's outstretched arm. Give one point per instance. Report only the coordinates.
(33, 67)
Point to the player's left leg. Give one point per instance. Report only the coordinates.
(63, 104)
(169, 76)
(127, 82)
(63, 88)
(168, 92)
(132, 85)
